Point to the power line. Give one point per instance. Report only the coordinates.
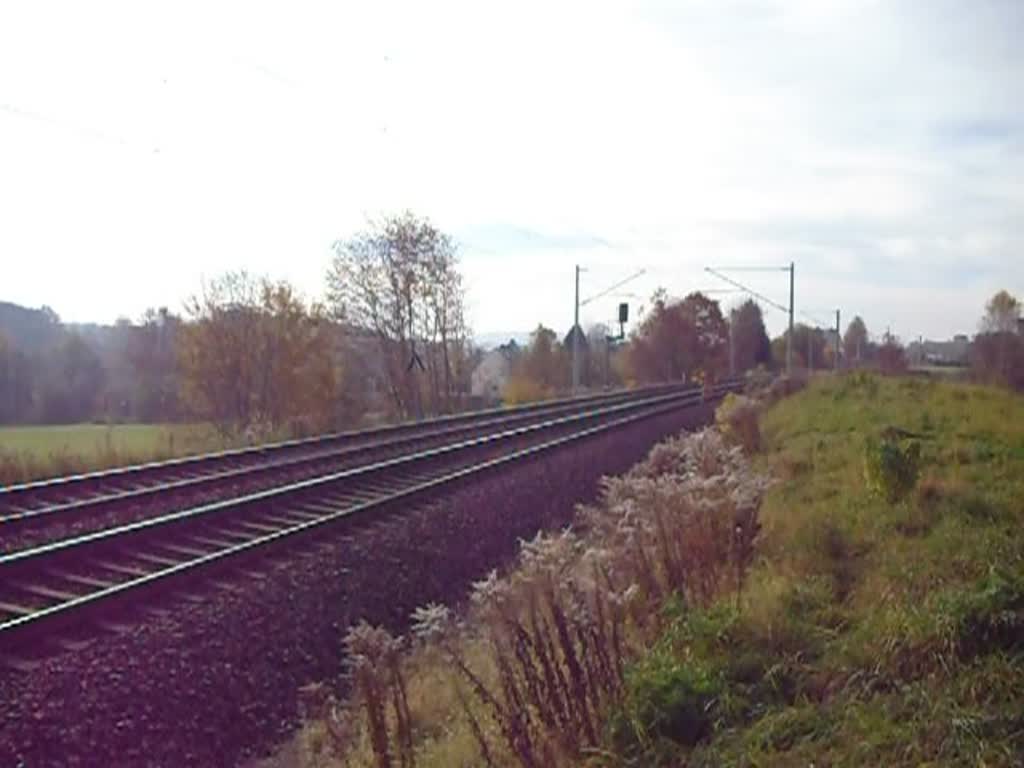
(576, 319)
(812, 316)
(608, 290)
(705, 291)
(750, 269)
(788, 310)
(815, 320)
(742, 287)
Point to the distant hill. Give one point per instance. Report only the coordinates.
(52, 372)
(37, 330)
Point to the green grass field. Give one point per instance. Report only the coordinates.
(870, 632)
(92, 439)
(28, 453)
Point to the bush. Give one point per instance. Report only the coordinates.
(891, 466)
(666, 699)
(542, 659)
(738, 419)
(784, 386)
(521, 389)
(892, 358)
(759, 381)
(991, 616)
(998, 358)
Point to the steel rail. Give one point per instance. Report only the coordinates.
(58, 483)
(289, 463)
(626, 414)
(648, 410)
(292, 489)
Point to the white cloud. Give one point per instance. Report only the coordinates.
(880, 146)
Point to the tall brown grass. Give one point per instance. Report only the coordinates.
(560, 627)
(23, 466)
(738, 418)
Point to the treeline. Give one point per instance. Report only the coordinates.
(692, 339)
(52, 373)
(994, 356)
(250, 354)
(543, 368)
(676, 340)
(390, 341)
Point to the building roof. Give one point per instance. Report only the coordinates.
(575, 330)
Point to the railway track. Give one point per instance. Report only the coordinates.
(34, 513)
(60, 585)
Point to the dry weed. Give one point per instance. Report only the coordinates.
(681, 523)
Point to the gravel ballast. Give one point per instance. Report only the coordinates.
(214, 680)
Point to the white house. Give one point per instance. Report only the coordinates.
(952, 352)
(488, 378)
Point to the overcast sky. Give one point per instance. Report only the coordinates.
(878, 145)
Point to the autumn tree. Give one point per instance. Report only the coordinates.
(540, 371)
(997, 353)
(400, 279)
(73, 387)
(1002, 313)
(998, 358)
(6, 398)
(15, 383)
(655, 354)
(679, 339)
(253, 353)
(751, 346)
(855, 341)
(891, 356)
(151, 352)
(810, 348)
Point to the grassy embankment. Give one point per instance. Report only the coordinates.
(30, 453)
(868, 632)
(871, 633)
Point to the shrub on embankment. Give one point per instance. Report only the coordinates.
(534, 673)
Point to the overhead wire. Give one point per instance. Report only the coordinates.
(608, 290)
(751, 291)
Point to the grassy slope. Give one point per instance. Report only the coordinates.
(32, 452)
(869, 634)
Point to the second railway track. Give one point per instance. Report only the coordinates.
(51, 587)
(35, 513)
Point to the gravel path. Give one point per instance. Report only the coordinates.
(215, 681)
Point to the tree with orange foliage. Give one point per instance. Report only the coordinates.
(253, 353)
(678, 340)
(541, 371)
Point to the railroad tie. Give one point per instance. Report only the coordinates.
(43, 591)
